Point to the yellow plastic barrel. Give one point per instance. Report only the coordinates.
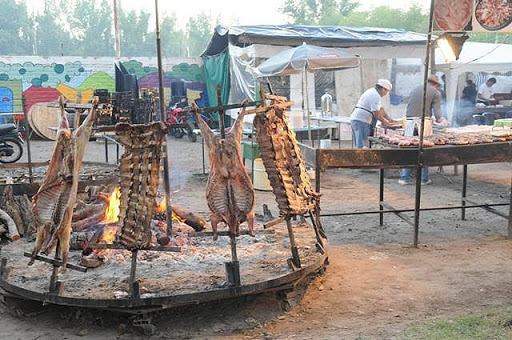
(261, 181)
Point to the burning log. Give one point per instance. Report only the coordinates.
(189, 218)
(87, 211)
(11, 226)
(82, 240)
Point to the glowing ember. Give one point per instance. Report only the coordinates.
(112, 211)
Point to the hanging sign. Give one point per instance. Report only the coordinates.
(452, 15)
(472, 16)
(492, 16)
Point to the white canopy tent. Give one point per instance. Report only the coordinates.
(475, 57)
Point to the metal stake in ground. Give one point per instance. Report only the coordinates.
(295, 260)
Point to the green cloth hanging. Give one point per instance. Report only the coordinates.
(216, 72)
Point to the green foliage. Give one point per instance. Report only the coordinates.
(15, 28)
(200, 31)
(173, 40)
(318, 12)
(344, 13)
(51, 38)
(491, 325)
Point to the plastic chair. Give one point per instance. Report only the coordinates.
(490, 117)
(478, 119)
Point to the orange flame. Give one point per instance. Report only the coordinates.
(109, 235)
(112, 211)
(162, 208)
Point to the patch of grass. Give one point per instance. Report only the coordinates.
(489, 325)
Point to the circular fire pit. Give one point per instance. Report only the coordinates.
(194, 275)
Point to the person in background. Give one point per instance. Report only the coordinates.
(433, 105)
(486, 92)
(469, 92)
(368, 111)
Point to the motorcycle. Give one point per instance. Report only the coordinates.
(181, 121)
(11, 143)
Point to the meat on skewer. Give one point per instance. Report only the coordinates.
(54, 201)
(229, 191)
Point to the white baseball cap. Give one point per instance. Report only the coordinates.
(385, 84)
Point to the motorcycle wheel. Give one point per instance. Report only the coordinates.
(191, 136)
(179, 134)
(16, 148)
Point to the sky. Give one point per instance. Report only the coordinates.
(231, 12)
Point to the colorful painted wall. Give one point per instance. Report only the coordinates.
(41, 79)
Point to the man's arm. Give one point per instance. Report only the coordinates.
(436, 106)
(383, 117)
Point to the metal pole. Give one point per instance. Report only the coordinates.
(510, 212)
(27, 139)
(420, 151)
(464, 188)
(165, 159)
(117, 32)
(307, 107)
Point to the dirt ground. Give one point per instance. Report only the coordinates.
(375, 285)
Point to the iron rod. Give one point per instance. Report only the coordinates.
(464, 188)
(56, 262)
(226, 233)
(411, 210)
(510, 211)
(165, 158)
(381, 195)
(398, 214)
(133, 271)
(27, 139)
(417, 198)
(119, 246)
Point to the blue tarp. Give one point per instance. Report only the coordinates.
(294, 35)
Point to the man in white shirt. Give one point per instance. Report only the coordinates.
(367, 111)
(485, 91)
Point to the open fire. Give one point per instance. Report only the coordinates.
(112, 210)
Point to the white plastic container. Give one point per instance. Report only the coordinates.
(260, 178)
(296, 118)
(414, 123)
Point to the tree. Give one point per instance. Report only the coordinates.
(91, 25)
(414, 19)
(199, 30)
(15, 29)
(174, 43)
(317, 12)
(50, 37)
(136, 40)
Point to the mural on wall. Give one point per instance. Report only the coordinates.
(190, 74)
(41, 80)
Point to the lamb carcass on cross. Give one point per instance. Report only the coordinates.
(54, 202)
(229, 191)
